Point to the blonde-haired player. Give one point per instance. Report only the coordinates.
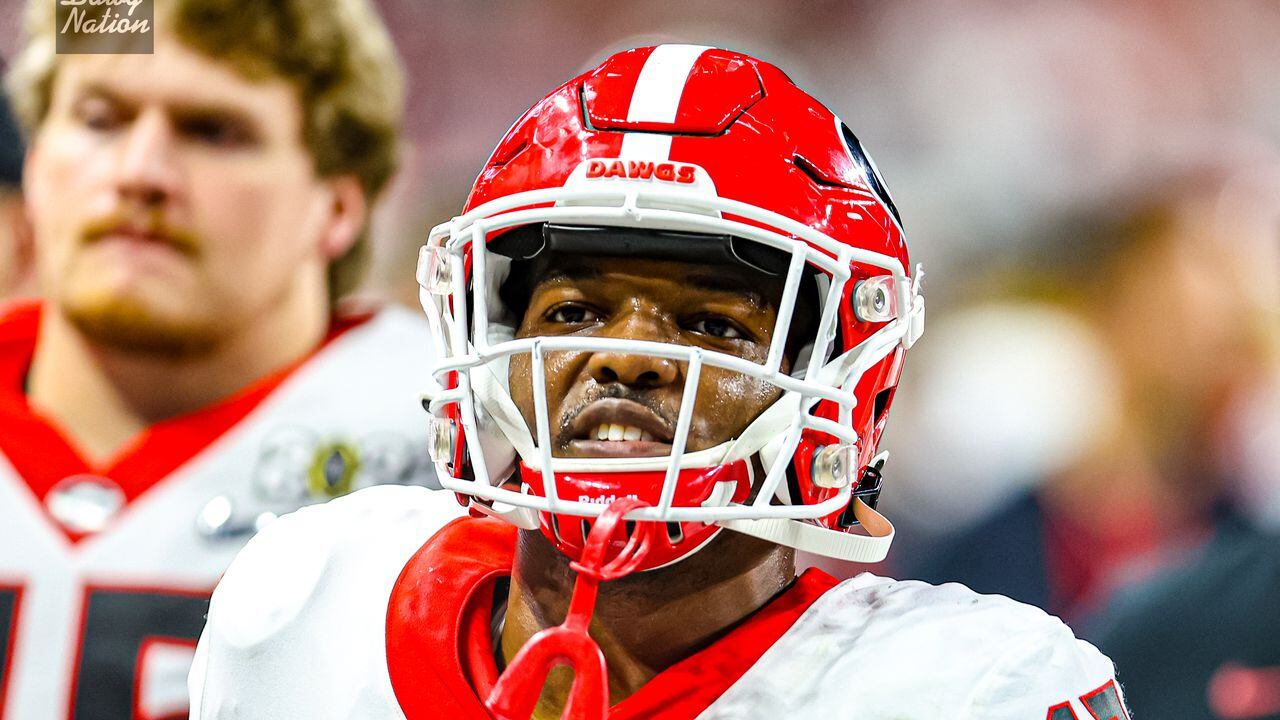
(197, 210)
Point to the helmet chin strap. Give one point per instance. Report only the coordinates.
(570, 643)
(869, 548)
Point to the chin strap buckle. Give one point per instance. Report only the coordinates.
(867, 490)
(516, 692)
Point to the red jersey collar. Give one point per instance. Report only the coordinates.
(44, 454)
(440, 645)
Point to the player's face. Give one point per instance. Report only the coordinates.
(13, 247)
(172, 198)
(608, 404)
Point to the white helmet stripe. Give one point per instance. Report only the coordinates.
(657, 98)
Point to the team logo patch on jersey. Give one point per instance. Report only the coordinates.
(672, 172)
(296, 464)
(333, 470)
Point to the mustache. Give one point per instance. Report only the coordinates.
(615, 391)
(153, 225)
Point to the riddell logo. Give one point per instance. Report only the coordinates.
(641, 170)
(604, 499)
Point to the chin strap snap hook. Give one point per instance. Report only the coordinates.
(517, 690)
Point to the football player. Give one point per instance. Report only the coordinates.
(15, 240)
(195, 211)
(670, 324)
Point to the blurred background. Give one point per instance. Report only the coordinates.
(1091, 186)
(1093, 189)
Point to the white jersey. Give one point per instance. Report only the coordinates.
(298, 628)
(102, 622)
(880, 649)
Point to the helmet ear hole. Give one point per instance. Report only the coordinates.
(675, 533)
(882, 404)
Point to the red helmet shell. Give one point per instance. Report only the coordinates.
(762, 141)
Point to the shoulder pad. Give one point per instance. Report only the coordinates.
(296, 625)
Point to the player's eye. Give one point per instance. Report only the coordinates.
(718, 327)
(571, 314)
(216, 131)
(99, 113)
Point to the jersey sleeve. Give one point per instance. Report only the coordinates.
(296, 627)
(1049, 674)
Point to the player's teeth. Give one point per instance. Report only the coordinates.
(619, 433)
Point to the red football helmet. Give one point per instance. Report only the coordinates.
(681, 141)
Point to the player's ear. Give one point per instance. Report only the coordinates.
(29, 160)
(348, 212)
(18, 225)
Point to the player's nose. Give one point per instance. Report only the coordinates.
(635, 368)
(147, 170)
